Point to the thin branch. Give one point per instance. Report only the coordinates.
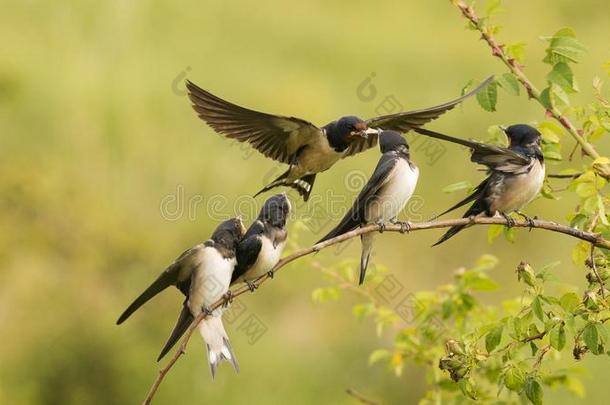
(564, 176)
(590, 237)
(360, 397)
(498, 50)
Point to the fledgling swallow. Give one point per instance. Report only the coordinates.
(262, 246)
(203, 274)
(383, 196)
(515, 175)
(305, 147)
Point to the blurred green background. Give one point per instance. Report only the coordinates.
(97, 138)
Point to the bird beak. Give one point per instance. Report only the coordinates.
(503, 128)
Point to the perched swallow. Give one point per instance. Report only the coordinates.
(383, 196)
(515, 175)
(306, 148)
(202, 274)
(262, 246)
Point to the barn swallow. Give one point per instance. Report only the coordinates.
(305, 147)
(202, 274)
(515, 175)
(262, 246)
(383, 196)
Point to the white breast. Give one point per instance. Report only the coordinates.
(210, 280)
(395, 193)
(267, 258)
(519, 190)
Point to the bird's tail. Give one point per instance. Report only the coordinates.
(302, 185)
(183, 323)
(217, 343)
(475, 209)
(367, 247)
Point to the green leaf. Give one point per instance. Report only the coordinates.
(569, 301)
(590, 337)
(562, 76)
(545, 98)
(533, 391)
(377, 355)
(558, 96)
(516, 51)
(493, 232)
(321, 295)
(563, 47)
(488, 97)
(537, 308)
(493, 338)
(557, 337)
(478, 281)
(460, 185)
(509, 83)
(514, 378)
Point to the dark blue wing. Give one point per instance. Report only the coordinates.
(355, 216)
(248, 249)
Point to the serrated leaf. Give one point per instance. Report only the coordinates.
(509, 83)
(533, 391)
(537, 308)
(545, 98)
(493, 338)
(590, 337)
(569, 301)
(514, 379)
(559, 97)
(562, 76)
(557, 337)
(488, 97)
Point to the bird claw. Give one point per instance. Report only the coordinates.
(528, 219)
(509, 221)
(405, 226)
(251, 285)
(228, 298)
(381, 225)
(270, 274)
(206, 310)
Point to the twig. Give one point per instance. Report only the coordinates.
(498, 50)
(590, 237)
(564, 176)
(360, 397)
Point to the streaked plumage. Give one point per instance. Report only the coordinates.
(515, 174)
(383, 196)
(307, 148)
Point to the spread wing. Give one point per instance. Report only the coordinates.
(247, 250)
(492, 156)
(277, 137)
(178, 274)
(355, 216)
(406, 121)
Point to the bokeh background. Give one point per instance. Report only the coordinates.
(106, 175)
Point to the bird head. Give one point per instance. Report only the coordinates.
(275, 210)
(351, 128)
(522, 135)
(393, 141)
(229, 232)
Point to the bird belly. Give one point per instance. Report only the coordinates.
(316, 158)
(266, 260)
(393, 196)
(210, 280)
(519, 190)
